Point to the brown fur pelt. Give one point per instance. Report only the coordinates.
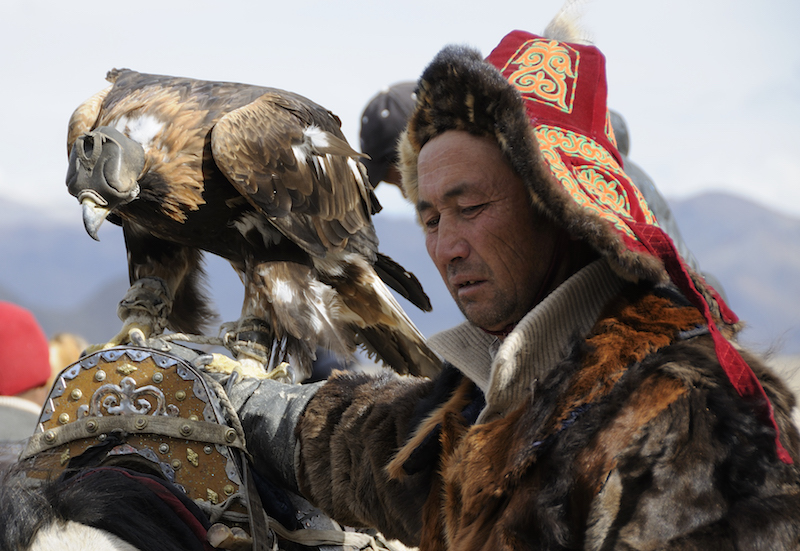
(349, 433)
(637, 440)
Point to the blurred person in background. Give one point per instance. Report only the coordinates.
(65, 349)
(382, 121)
(24, 374)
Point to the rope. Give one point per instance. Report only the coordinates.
(227, 406)
(194, 339)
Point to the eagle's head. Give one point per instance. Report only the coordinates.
(104, 169)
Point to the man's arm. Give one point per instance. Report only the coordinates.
(331, 442)
(350, 431)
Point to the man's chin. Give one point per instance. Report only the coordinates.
(479, 317)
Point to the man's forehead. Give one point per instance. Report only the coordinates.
(460, 139)
(450, 193)
(456, 152)
(455, 164)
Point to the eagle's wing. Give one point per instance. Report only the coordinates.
(288, 157)
(85, 116)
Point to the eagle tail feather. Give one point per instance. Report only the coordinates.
(400, 351)
(404, 282)
(389, 332)
(191, 310)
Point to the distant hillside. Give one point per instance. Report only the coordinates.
(73, 283)
(755, 253)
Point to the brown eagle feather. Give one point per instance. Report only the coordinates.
(262, 177)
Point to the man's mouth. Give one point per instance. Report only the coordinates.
(465, 288)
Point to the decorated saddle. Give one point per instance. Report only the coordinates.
(154, 412)
(149, 415)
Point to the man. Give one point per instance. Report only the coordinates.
(593, 398)
(383, 120)
(24, 374)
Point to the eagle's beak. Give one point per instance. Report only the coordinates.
(93, 214)
(104, 168)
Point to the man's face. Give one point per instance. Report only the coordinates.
(490, 247)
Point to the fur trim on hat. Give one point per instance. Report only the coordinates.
(461, 91)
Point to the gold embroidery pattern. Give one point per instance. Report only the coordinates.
(545, 71)
(592, 176)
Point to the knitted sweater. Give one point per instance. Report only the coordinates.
(538, 342)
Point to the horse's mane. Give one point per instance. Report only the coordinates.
(23, 508)
(145, 511)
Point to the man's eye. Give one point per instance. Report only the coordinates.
(472, 209)
(432, 222)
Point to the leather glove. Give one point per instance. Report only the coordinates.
(269, 411)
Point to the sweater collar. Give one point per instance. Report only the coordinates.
(538, 342)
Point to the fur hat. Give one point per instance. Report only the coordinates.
(24, 353)
(544, 102)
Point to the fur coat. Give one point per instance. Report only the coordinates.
(636, 440)
(645, 430)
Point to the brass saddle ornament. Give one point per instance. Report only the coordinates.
(165, 415)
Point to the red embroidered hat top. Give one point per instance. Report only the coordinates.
(563, 89)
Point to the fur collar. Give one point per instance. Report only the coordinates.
(536, 344)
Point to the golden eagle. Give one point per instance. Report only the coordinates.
(261, 177)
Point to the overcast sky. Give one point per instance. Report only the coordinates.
(710, 89)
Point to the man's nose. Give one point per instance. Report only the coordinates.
(451, 243)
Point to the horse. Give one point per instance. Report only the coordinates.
(138, 449)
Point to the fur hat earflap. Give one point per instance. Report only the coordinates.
(460, 90)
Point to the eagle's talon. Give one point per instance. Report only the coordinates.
(249, 340)
(137, 337)
(221, 364)
(135, 333)
(281, 373)
(92, 348)
(246, 368)
(227, 330)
